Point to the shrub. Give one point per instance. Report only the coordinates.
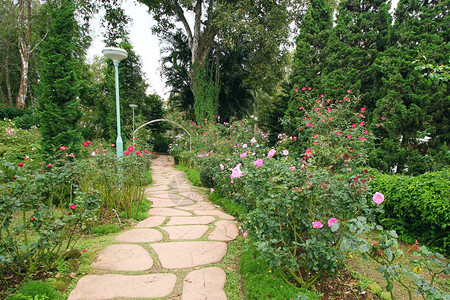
(418, 208)
(37, 290)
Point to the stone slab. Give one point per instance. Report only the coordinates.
(202, 220)
(170, 202)
(140, 235)
(214, 212)
(200, 206)
(225, 231)
(162, 211)
(112, 286)
(206, 283)
(151, 221)
(123, 257)
(194, 195)
(187, 232)
(180, 255)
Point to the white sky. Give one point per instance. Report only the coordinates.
(144, 43)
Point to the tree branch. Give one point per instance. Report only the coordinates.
(180, 15)
(43, 38)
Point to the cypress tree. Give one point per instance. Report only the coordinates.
(58, 86)
(360, 34)
(310, 45)
(414, 107)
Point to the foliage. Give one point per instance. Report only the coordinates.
(206, 94)
(261, 283)
(105, 229)
(132, 91)
(43, 211)
(17, 144)
(387, 253)
(309, 54)
(417, 207)
(37, 290)
(58, 85)
(419, 31)
(226, 77)
(118, 183)
(361, 33)
(335, 131)
(191, 174)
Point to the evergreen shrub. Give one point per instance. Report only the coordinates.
(418, 208)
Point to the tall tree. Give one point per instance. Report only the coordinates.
(265, 23)
(413, 107)
(310, 46)
(58, 86)
(360, 34)
(26, 45)
(230, 64)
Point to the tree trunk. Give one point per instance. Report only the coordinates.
(6, 68)
(24, 49)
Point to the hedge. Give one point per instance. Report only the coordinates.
(418, 207)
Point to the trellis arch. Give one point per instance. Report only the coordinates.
(165, 120)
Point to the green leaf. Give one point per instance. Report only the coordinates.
(393, 234)
(381, 269)
(364, 248)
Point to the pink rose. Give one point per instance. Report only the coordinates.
(378, 198)
(317, 224)
(271, 153)
(258, 162)
(331, 221)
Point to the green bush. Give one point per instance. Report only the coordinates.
(27, 120)
(418, 208)
(206, 176)
(37, 290)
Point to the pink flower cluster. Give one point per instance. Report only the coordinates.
(317, 224)
(237, 172)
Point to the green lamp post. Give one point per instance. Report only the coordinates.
(117, 55)
(133, 107)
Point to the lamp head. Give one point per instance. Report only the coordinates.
(116, 54)
(132, 106)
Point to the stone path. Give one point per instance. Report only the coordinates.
(177, 245)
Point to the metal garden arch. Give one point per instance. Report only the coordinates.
(165, 120)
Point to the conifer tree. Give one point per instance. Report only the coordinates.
(310, 46)
(412, 106)
(58, 86)
(360, 34)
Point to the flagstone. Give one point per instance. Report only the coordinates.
(113, 286)
(151, 221)
(180, 255)
(170, 203)
(225, 231)
(188, 232)
(214, 212)
(162, 211)
(202, 220)
(123, 257)
(140, 235)
(200, 206)
(194, 195)
(206, 283)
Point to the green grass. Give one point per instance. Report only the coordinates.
(105, 229)
(262, 283)
(231, 207)
(192, 175)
